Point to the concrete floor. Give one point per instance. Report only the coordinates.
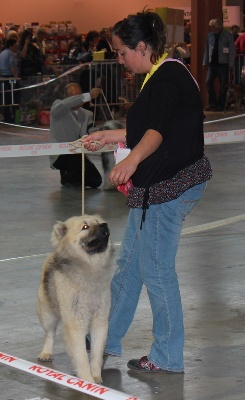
(210, 266)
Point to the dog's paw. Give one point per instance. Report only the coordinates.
(98, 379)
(45, 357)
(86, 377)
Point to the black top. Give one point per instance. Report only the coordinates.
(32, 63)
(215, 53)
(169, 103)
(187, 38)
(103, 44)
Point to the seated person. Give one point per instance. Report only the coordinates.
(68, 122)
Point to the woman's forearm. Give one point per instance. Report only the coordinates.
(147, 145)
(115, 136)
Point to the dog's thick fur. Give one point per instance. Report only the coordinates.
(235, 97)
(75, 289)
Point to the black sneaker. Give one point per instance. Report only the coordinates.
(144, 365)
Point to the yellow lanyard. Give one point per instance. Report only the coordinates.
(154, 68)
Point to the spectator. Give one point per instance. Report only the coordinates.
(240, 44)
(13, 35)
(239, 62)
(219, 59)
(91, 41)
(8, 68)
(8, 64)
(41, 35)
(182, 52)
(105, 40)
(235, 32)
(1, 45)
(68, 122)
(105, 44)
(75, 47)
(187, 40)
(15, 28)
(31, 62)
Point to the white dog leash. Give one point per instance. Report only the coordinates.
(99, 85)
(80, 145)
(83, 178)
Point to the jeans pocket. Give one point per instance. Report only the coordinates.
(190, 198)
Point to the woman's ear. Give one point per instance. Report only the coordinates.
(141, 46)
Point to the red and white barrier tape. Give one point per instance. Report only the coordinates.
(93, 389)
(46, 149)
(49, 80)
(222, 137)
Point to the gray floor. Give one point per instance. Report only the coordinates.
(210, 266)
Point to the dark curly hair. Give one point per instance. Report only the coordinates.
(145, 26)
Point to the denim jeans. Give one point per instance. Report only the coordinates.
(221, 72)
(147, 257)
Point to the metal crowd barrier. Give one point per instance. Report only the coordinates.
(239, 75)
(120, 86)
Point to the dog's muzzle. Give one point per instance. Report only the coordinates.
(104, 230)
(98, 242)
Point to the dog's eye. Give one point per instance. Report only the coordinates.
(85, 226)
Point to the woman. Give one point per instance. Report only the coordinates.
(169, 171)
(31, 61)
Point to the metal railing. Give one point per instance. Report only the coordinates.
(239, 74)
(120, 86)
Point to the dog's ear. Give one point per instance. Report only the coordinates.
(59, 231)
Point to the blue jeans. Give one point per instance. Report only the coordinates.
(147, 257)
(221, 72)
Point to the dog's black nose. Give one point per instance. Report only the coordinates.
(104, 228)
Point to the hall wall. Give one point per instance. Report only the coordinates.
(85, 15)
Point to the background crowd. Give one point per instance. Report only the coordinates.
(23, 55)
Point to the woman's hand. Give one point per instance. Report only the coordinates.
(122, 172)
(93, 142)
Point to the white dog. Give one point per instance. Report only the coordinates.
(75, 289)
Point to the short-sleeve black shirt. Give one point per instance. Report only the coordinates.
(169, 103)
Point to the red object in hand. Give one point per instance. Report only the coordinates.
(125, 188)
